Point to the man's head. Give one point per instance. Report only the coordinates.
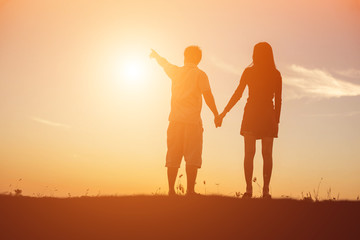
(192, 54)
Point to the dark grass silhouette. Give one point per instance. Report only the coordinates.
(161, 217)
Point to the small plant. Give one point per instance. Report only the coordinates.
(17, 192)
(285, 196)
(255, 181)
(329, 195)
(14, 188)
(18, 181)
(237, 194)
(179, 187)
(157, 192)
(205, 186)
(217, 186)
(316, 193)
(308, 197)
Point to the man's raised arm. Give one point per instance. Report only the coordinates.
(160, 60)
(169, 68)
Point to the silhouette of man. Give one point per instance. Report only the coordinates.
(185, 130)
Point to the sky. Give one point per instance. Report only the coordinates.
(85, 111)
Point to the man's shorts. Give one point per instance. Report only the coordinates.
(186, 140)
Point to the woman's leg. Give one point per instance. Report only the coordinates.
(250, 147)
(267, 147)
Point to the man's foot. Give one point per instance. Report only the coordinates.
(266, 196)
(247, 195)
(192, 194)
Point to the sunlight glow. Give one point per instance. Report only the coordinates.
(132, 70)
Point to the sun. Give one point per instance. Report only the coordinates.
(132, 71)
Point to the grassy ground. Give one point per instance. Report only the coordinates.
(160, 217)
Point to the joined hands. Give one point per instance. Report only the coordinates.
(218, 119)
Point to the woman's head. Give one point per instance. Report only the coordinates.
(263, 56)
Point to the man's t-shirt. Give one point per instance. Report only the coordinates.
(188, 85)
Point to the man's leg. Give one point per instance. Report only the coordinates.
(191, 173)
(172, 173)
(267, 147)
(192, 153)
(250, 145)
(175, 137)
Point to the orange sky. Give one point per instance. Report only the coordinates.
(72, 119)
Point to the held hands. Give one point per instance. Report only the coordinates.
(218, 119)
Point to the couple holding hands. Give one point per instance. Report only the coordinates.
(260, 120)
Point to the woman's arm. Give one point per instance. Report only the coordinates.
(278, 99)
(233, 100)
(237, 94)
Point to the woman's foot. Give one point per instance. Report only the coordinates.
(266, 196)
(172, 194)
(247, 195)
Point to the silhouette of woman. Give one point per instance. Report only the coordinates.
(261, 116)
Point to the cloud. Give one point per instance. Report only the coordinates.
(317, 83)
(350, 73)
(301, 82)
(49, 123)
(343, 114)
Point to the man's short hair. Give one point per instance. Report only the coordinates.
(192, 54)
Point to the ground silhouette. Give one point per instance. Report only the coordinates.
(162, 217)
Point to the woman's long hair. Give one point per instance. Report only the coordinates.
(263, 57)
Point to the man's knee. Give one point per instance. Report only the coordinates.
(191, 167)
